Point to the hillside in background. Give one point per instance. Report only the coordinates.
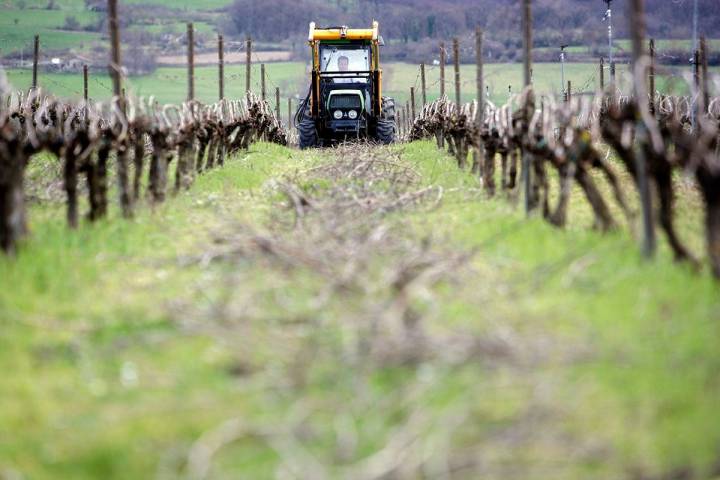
(556, 22)
(153, 30)
(572, 21)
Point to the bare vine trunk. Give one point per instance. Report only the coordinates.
(13, 217)
(102, 180)
(138, 161)
(123, 152)
(70, 183)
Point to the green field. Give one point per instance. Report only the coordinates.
(625, 46)
(18, 27)
(79, 5)
(169, 85)
(187, 4)
(666, 44)
(131, 349)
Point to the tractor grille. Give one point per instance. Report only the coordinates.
(345, 101)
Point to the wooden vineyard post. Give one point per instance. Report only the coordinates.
(637, 23)
(277, 103)
(527, 66)
(248, 63)
(221, 68)
(399, 122)
(122, 173)
(696, 70)
(456, 65)
(527, 42)
(85, 83)
(412, 103)
(289, 122)
(612, 73)
(479, 75)
(408, 120)
(696, 87)
(704, 85)
(121, 148)
(569, 91)
(423, 85)
(263, 90)
(651, 77)
(191, 62)
(36, 59)
(442, 69)
(478, 153)
(442, 89)
(602, 74)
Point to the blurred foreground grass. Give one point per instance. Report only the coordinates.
(128, 351)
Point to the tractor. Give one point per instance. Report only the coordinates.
(345, 100)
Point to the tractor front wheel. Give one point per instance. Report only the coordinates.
(307, 133)
(386, 122)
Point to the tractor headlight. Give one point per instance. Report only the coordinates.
(338, 114)
(352, 114)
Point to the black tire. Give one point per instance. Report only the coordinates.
(307, 133)
(386, 123)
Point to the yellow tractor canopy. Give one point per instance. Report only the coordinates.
(343, 33)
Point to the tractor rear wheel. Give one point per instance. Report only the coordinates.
(386, 122)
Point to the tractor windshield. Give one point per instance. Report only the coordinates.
(344, 58)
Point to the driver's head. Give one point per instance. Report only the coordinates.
(343, 64)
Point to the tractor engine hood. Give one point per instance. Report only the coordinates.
(346, 99)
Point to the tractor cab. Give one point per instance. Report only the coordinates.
(345, 99)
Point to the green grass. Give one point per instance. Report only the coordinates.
(111, 368)
(173, 26)
(68, 291)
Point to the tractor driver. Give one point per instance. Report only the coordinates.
(343, 63)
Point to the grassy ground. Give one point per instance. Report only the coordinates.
(211, 336)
